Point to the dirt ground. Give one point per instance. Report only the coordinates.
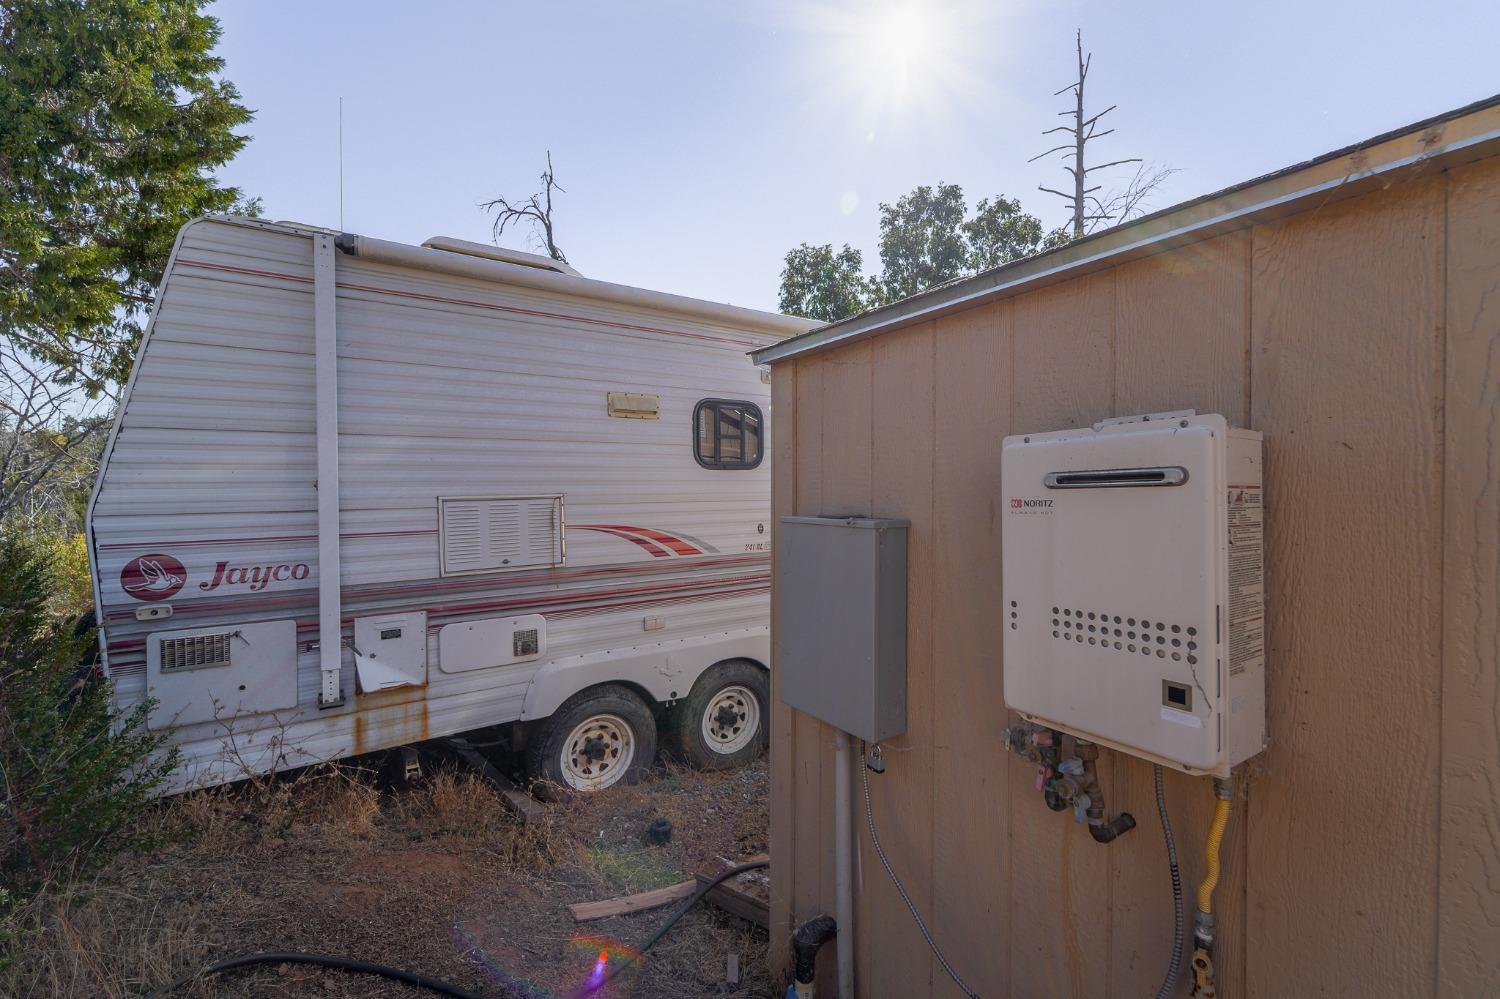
(435, 878)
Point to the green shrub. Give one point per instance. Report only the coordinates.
(75, 774)
(65, 558)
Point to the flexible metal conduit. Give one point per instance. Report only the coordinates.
(1174, 969)
(911, 906)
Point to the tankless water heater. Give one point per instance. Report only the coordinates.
(1134, 587)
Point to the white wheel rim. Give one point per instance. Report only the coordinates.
(598, 753)
(725, 734)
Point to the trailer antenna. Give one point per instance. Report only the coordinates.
(341, 163)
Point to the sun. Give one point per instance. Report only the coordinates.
(901, 33)
(901, 57)
(900, 41)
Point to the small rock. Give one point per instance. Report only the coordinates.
(659, 833)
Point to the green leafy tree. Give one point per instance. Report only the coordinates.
(74, 776)
(112, 120)
(820, 284)
(925, 240)
(1060, 236)
(922, 240)
(1000, 232)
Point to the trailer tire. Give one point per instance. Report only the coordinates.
(598, 738)
(723, 723)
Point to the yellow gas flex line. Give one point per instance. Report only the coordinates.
(1204, 984)
(1211, 856)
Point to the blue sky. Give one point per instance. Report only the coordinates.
(700, 141)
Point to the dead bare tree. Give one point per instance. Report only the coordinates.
(49, 437)
(535, 211)
(1090, 210)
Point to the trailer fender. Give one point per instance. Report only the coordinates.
(665, 671)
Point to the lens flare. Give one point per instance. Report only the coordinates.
(899, 63)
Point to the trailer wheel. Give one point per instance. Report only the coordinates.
(723, 721)
(597, 739)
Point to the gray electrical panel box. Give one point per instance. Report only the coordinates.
(840, 649)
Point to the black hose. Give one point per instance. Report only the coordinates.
(324, 961)
(808, 939)
(661, 931)
(435, 984)
(1169, 984)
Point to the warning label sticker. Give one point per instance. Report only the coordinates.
(1247, 596)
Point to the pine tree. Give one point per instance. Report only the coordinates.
(112, 119)
(74, 775)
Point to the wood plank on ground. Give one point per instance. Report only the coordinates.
(737, 901)
(516, 801)
(584, 912)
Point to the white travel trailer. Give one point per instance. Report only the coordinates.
(360, 494)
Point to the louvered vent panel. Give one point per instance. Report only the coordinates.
(500, 533)
(463, 537)
(541, 533)
(196, 652)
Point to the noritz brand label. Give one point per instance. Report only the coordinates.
(1032, 505)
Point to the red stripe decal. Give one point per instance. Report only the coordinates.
(282, 598)
(272, 539)
(655, 549)
(637, 597)
(515, 310)
(673, 542)
(131, 665)
(529, 601)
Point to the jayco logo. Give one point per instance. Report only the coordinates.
(153, 577)
(257, 577)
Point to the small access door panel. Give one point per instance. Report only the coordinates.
(208, 674)
(1134, 592)
(390, 650)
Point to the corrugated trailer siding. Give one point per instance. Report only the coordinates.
(447, 386)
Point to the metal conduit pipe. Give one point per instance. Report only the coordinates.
(843, 863)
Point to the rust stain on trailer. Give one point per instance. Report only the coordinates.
(390, 718)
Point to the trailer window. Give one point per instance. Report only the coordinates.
(727, 434)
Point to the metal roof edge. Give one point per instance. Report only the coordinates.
(1167, 229)
(754, 322)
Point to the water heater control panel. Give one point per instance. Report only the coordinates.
(1134, 587)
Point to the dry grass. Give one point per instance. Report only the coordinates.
(437, 878)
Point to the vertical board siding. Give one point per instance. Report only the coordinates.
(1469, 875)
(1182, 335)
(902, 798)
(845, 468)
(782, 747)
(970, 780)
(1059, 941)
(1347, 377)
(812, 842)
(1363, 339)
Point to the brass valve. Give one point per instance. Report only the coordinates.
(1203, 975)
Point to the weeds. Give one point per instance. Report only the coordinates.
(75, 776)
(323, 859)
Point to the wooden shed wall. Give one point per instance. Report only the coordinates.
(1363, 857)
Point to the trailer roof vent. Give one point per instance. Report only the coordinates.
(501, 253)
